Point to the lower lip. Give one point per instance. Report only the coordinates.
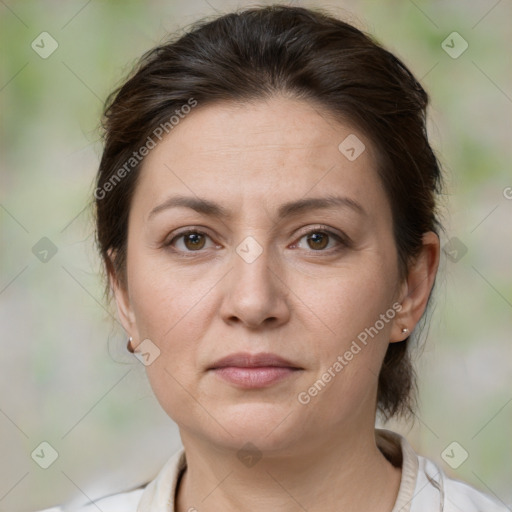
(256, 377)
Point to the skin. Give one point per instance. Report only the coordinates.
(303, 301)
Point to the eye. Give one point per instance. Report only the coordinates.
(189, 241)
(320, 239)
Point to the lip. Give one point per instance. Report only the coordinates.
(251, 371)
(247, 360)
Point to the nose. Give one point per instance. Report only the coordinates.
(255, 293)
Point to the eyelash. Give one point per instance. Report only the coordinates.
(343, 240)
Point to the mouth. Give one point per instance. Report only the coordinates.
(251, 371)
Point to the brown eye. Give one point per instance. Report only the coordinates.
(194, 241)
(318, 240)
(323, 240)
(190, 241)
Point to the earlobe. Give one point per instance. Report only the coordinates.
(417, 287)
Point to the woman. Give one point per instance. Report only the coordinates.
(266, 211)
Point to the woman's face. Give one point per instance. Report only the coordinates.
(292, 254)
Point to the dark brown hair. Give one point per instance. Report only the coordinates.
(258, 53)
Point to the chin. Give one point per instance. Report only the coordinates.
(269, 426)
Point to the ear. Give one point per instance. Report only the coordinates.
(416, 289)
(122, 297)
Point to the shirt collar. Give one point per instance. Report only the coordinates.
(160, 494)
(400, 453)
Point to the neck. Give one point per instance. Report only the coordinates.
(346, 473)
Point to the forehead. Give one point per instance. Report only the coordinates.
(267, 150)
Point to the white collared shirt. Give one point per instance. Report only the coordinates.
(423, 487)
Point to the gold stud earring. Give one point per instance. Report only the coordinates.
(405, 330)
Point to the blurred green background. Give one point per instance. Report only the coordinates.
(65, 377)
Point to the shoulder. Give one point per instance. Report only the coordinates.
(152, 496)
(425, 487)
(434, 486)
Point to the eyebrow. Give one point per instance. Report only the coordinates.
(289, 209)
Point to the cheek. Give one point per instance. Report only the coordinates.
(355, 309)
(174, 312)
(167, 303)
(353, 299)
